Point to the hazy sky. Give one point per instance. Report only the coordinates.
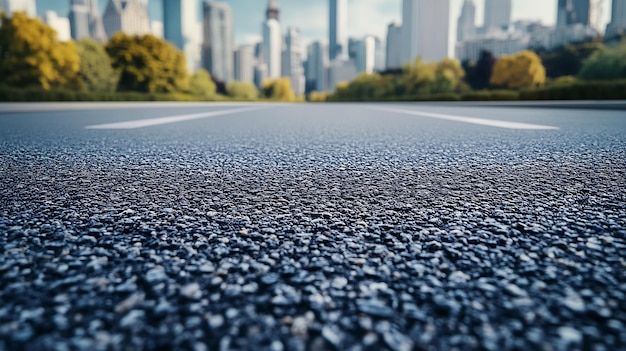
(311, 16)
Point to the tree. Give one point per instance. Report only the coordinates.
(605, 65)
(418, 78)
(449, 75)
(147, 64)
(568, 60)
(478, 74)
(278, 89)
(521, 70)
(201, 84)
(31, 54)
(96, 72)
(243, 90)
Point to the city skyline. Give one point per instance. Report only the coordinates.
(368, 17)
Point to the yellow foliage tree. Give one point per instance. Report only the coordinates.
(31, 54)
(314, 96)
(147, 64)
(521, 70)
(278, 89)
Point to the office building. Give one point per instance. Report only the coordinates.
(128, 16)
(425, 28)
(85, 20)
(466, 26)
(272, 41)
(338, 29)
(394, 54)
(498, 44)
(28, 6)
(178, 21)
(618, 18)
(340, 71)
(551, 38)
(571, 12)
(293, 60)
(218, 39)
(365, 54)
(60, 24)
(497, 14)
(244, 63)
(317, 66)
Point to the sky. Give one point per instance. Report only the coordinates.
(366, 17)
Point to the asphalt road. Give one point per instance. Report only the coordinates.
(311, 227)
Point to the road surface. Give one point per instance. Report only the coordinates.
(311, 227)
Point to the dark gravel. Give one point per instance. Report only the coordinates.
(312, 236)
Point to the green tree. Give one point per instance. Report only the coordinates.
(568, 60)
(96, 72)
(31, 54)
(278, 89)
(449, 76)
(521, 70)
(147, 64)
(418, 78)
(242, 90)
(201, 84)
(605, 65)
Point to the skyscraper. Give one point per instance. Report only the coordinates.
(618, 18)
(497, 13)
(425, 28)
(178, 21)
(466, 27)
(79, 19)
(365, 54)
(244, 63)
(317, 62)
(273, 11)
(572, 12)
(128, 16)
(338, 29)
(272, 41)
(217, 48)
(28, 6)
(96, 27)
(394, 46)
(293, 60)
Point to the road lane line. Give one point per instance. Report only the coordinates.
(472, 120)
(141, 123)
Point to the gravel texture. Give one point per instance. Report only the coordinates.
(334, 239)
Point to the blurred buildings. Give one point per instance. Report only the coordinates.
(571, 12)
(618, 18)
(28, 6)
(60, 24)
(338, 29)
(466, 25)
(394, 54)
(218, 41)
(85, 20)
(425, 27)
(497, 14)
(128, 16)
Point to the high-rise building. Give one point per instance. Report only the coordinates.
(425, 28)
(96, 26)
(466, 27)
(338, 29)
(244, 63)
(317, 70)
(497, 13)
(60, 24)
(79, 19)
(394, 55)
(340, 71)
(293, 60)
(379, 55)
(217, 47)
(365, 54)
(271, 50)
(572, 12)
(128, 16)
(618, 18)
(178, 21)
(28, 6)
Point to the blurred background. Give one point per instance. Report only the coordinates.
(319, 50)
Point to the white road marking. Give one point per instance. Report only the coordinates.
(472, 120)
(141, 123)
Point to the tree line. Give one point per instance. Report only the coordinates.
(32, 57)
